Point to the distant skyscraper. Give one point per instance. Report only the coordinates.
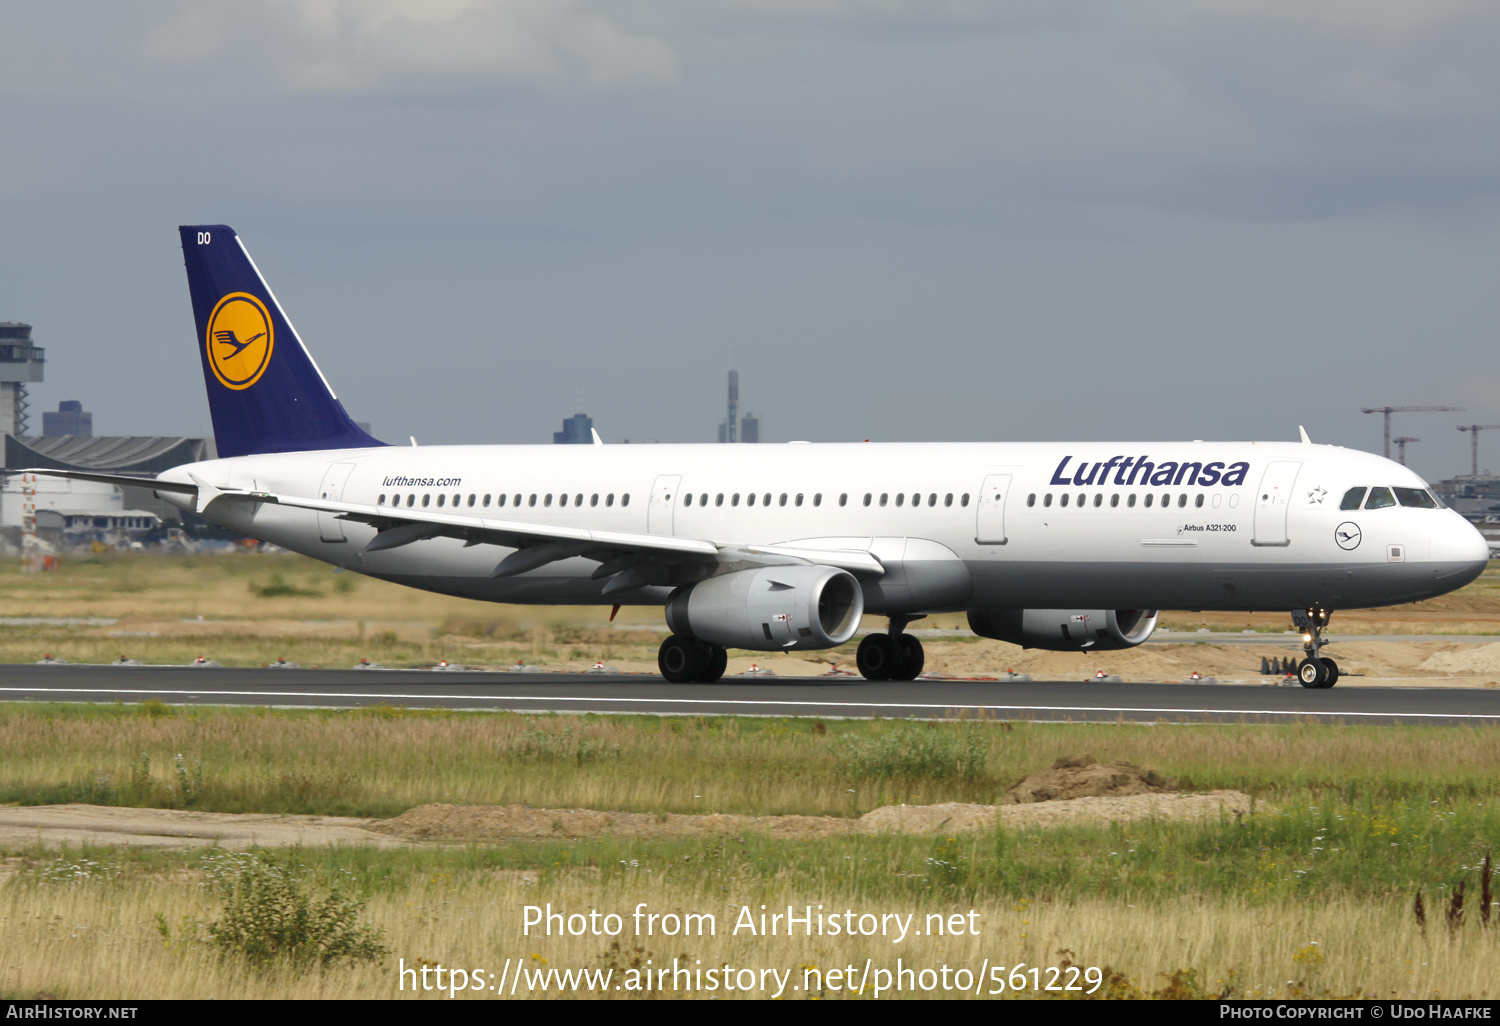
(577, 430)
(70, 419)
(736, 428)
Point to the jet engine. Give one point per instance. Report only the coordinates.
(775, 608)
(1065, 630)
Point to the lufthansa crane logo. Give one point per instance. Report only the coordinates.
(239, 340)
(1347, 535)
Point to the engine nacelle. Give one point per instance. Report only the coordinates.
(1065, 630)
(776, 608)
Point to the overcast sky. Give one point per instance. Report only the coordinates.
(902, 221)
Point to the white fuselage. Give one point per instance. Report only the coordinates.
(1210, 525)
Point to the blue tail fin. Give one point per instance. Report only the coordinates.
(264, 390)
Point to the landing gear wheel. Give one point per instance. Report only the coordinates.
(909, 666)
(1312, 673)
(682, 659)
(1333, 672)
(877, 657)
(718, 660)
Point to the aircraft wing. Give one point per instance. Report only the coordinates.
(633, 560)
(626, 556)
(122, 480)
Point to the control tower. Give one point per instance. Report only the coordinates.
(20, 365)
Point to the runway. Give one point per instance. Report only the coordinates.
(836, 697)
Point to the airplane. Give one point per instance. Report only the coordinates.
(1059, 546)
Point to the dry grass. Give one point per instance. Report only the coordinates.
(94, 939)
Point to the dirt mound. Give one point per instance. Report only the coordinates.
(483, 822)
(1080, 776)
(957, 818)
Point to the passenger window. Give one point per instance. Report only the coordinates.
(900, 498)
(609, 500)
(1182, 500)
(687, 498)
(1046, 500)
(798, 500)
(1030, 499)
(782, 500)
(1098, 500)
(750, 499)
(916, 498)
(719, 499)
(1114, 500)
(426, 499)
(1416, 497)
(440, 501)
(883, 497)
(932, 499)
(1130, 502)
(473, 498)
(965, 500)
(517, 500)
(380, 501)
(867, 498)
(735, 499)
(1198, 502)
(625, 499)
(766, 499)
(1166, 500)
(594, 499)
(1064, 500)
(1149, 497)
(578, 499)
(948, 499)
(411, 500)
(531, 501)
(1352, 498)
(818, 499)
(548, 500)
(1380, 498)
(562, 500)
(703, 499)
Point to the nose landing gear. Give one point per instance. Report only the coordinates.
(1317, 670)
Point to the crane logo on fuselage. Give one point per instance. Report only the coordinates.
(239, 340)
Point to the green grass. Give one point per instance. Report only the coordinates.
(381, 761)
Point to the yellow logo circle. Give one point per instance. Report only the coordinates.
(239, 341)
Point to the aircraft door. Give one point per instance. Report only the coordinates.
(1273, 501)
(663, 500)
(990, 511)
(330, 528)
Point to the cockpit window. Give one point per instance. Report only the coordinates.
(1380, 498)
(1352, 498)
(1417, 497)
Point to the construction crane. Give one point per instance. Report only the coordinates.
(1400, 444)
(1388, 410)
(1473, 430)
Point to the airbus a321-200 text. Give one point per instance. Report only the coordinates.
(1069, 547)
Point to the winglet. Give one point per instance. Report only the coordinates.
(597, 439)
(1305, 439)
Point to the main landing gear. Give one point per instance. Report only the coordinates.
(1316, 671)
(895, 655)
(690, 661)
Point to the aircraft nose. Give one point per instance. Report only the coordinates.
(1459, 552)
